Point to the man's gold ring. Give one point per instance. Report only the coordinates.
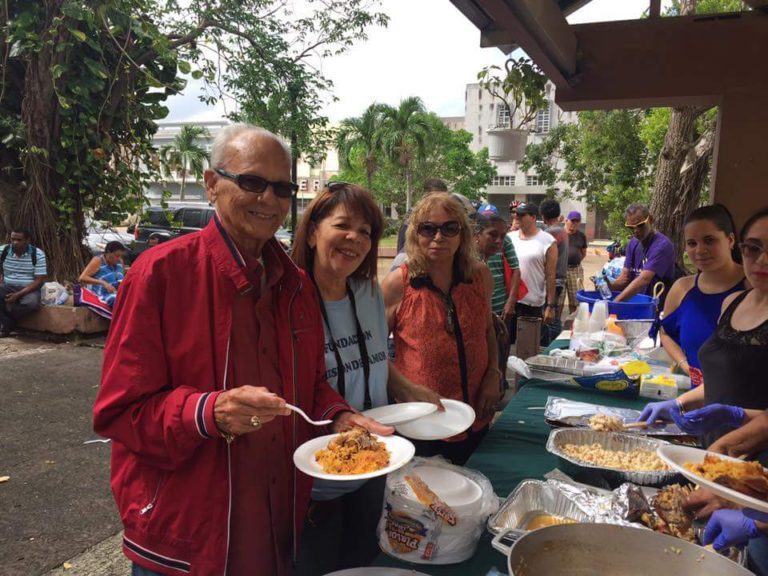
(255, 421)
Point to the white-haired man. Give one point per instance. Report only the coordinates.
(212, 334)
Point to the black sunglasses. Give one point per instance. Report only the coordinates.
(447, 229)
(257, 184)
(335, 186)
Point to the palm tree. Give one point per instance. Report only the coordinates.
(402, 135)
(185, 156)
(360, 134)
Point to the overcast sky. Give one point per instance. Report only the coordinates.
(429, 50)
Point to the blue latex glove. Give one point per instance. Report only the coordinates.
(664, 410)
(705, 420)
(755, 515)
(728, 528)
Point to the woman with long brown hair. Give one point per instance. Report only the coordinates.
(438, 309)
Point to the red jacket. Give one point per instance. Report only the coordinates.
(164, 364)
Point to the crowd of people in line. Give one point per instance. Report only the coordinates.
(215, 333)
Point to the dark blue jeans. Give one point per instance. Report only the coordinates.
(137, 570)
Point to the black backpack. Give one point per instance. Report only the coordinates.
(7, 250)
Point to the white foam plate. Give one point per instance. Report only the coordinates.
(456, 418)
(678, 456)
(374, 571)
(395, 414)
(457, 490)
(400, 453)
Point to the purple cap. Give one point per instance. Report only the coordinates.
(575, 215)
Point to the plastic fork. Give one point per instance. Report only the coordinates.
(301, 413)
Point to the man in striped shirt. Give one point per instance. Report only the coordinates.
(22, 275)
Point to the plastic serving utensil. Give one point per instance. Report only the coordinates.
(301, 413)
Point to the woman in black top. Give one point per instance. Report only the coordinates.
(733, 359)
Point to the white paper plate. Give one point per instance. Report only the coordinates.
(374, 571)
(456, 418)
(395, 414)
(460, 492)
(677, 456)
(400, 453)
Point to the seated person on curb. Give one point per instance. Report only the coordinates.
(213, 334)
(22, 274)
(650, 257)
(104, 273)
(733, 357)
(693, 305)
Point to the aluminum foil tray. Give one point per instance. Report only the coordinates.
(563, 412)
(532, 498)
(611, 441)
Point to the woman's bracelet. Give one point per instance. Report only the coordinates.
(680, 407)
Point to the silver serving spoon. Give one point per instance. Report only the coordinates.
(301, 413)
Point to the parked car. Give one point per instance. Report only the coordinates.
(184, 219)
(99, 234)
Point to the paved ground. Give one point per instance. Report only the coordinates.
(57, 515)
(57, 502)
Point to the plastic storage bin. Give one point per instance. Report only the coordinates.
(639, 307)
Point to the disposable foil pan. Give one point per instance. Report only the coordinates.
(610, 441)
(564, 412)
(532, 498)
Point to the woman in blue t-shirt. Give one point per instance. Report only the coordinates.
(337, 244)
(104, 273)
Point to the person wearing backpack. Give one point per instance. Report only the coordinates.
(22, 274)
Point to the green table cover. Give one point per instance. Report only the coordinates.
(514, 450)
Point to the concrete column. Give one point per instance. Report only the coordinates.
(740, 162)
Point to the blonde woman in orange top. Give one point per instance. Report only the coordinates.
(438, 307)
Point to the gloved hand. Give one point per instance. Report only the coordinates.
(709, 418)
(729, 528)
(664, 410)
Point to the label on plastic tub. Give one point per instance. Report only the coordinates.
(615, 383)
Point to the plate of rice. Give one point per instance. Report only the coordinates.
(352, 455)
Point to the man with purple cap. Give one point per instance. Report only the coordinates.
(577, 250)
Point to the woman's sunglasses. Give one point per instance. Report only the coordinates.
(752, 250)
(257, 184)
(447, 229)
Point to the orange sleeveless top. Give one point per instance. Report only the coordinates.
(427, 353)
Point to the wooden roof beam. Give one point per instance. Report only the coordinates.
(539, 28)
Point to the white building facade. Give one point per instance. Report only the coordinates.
(486, 117)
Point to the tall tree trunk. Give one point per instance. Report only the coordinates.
(677, 193)
(183, 182)
(61, 241)
(408, 188)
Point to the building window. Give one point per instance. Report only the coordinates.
(543, 120)
(480, 108)
(532, 180)
(503, 181)
(490, 106)
(480, 94)
(502, 116)
(479, 130)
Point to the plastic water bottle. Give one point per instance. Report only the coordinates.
(603, 289)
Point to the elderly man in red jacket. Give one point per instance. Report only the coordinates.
(212, 334)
